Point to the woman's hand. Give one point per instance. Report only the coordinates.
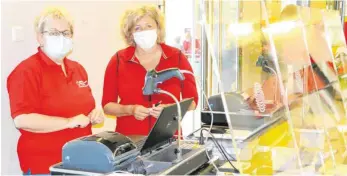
(156, 110)
(79, 121)
(96, 116)
(140, 112)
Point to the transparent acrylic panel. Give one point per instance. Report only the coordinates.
(320, 38)
(261, 104)
(275, 146)
(216, 13)
(308, 141)
(335, 39)
(251, 107)
(290, 90)
(228, 48)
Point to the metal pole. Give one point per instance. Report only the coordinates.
(204, 59)
(219, 34)
(340, 6)
(239, 50)
(304, 3)
(238, 88)
(343, 4)
(193, 32)
(193, 48)
(299, 3)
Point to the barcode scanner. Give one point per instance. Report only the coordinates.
(153, 78)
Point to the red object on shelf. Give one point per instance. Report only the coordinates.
(187, 46)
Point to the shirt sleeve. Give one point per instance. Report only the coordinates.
(189, 89)
(23, 90)
(110, 90)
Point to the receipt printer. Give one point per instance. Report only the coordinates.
(104, 152)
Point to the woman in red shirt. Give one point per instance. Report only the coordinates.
(187, 43)
(50, 99)
(143, 30)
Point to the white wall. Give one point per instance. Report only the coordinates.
(192, 120)
(185, 17)
(97, 38)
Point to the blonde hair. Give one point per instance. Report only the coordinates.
(132, 16)
(55, 13)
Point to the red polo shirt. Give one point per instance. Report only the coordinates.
(38, 85)
(127, 87)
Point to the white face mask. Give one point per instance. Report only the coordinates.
(57, 47)
(146, 39)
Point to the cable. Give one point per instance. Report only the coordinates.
(218, 145)
(217, 73)
(212, 162)
(212, 117)
(179, 150)
(205, 97)
(221, 144)
(219, 148)
(210, 109)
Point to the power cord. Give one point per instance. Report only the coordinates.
(201, 141)
(221, 147)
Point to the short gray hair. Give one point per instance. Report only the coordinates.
(55, 13)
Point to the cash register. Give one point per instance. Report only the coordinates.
(108, 152)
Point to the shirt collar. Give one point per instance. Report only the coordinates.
(130, 54)
(49, 61)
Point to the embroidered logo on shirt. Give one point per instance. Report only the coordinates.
(81, 84)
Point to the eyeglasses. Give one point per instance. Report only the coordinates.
(67, 34)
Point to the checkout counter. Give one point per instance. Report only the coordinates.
(267, 149)
(109, 153)
(292, 123)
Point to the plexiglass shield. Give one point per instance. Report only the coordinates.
(290, 93)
